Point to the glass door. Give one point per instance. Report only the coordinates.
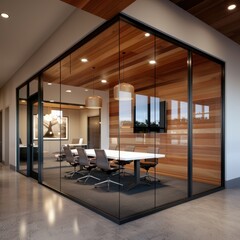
(33, 136)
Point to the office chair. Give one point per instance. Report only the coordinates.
(103, 163)
(150, 163)
(72, 160)
(86, 163)
(121, 164)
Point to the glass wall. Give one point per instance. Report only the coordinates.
(207, 120)
(129, 91)
(52, 129)
(22, 123)
(172, 90)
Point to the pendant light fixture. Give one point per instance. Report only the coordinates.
(123, 91)
(94, 101)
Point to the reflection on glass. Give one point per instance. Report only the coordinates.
(155, 112)
(23, 228)
(141, 111)
(206, 124)
(125, 113)
(174, 109)
(183, 111)
(201, 111)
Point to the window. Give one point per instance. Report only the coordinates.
(149, 114)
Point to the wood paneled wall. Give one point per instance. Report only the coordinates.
(174, 143)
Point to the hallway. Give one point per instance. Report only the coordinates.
(31, 211)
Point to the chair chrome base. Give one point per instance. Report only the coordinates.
(108, 181)
(72, 173)
(122, 173)
(87, 177)
(149, 178)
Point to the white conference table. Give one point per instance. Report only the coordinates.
(126, 156)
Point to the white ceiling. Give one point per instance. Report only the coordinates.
(30, 24)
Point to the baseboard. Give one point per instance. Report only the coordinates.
(233, 183)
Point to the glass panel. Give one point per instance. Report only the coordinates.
(22, 130)
(172, 90)
(53, 127)
(135, 137)
(81, 81)
(33, 87)
(34, 140)
(207, 116)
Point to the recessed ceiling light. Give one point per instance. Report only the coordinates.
(152, 62)
(49, 84)
(232, 6)
(147, 34)
(52, 100)
(103, 81)
(68, 91)
(84, 60)
(86, 90)
(4, 15)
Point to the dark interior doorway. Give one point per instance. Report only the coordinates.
(94, 132)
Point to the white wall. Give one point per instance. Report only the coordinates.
(78, 96)
(77, 26)
(168, 18)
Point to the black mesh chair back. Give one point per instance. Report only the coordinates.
(69, 156)
(152, 150)
(72, 160)
(83, 158)
(103, 163)
(102, 160)
(86, 163)
(150, 163)
(122, 172)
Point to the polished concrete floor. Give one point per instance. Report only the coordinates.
(31, 211)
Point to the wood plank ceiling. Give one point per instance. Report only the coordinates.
(105, 9)
(102, 53)
(104, 61)
(215, 14)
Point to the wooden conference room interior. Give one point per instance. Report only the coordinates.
(121, 53)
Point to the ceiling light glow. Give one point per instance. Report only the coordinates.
(103, 81)
(152, 62)
(4, 15)
(147, 34)
(84, 60)
(232, 6)
(68, 91)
